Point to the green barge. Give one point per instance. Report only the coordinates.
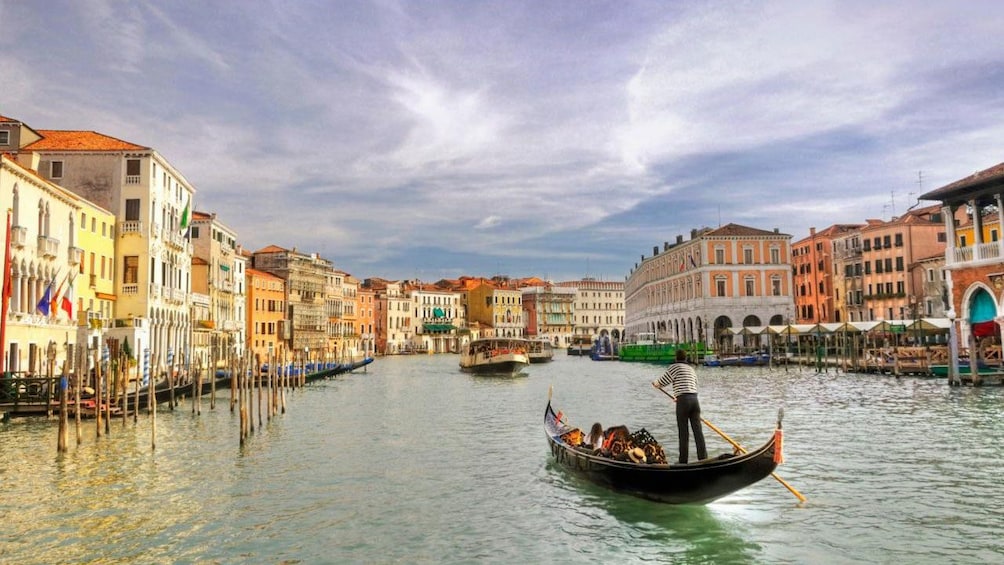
(647, 350)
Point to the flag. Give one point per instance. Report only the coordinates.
(44, 305)
(682, 264)
(56, 298)
(7, 282)
(186, 216)
(692, 262)
(67, 305)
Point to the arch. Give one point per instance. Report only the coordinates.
(776, 320)
(751, 320)
(982, 306)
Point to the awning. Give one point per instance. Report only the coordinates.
(439, 327)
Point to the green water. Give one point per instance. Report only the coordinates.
(417, 462)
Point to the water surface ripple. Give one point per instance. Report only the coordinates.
(416, 462)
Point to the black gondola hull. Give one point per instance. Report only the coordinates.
(696, 483)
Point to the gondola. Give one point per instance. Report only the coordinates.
(699, 482)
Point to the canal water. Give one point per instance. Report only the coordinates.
(416, 462)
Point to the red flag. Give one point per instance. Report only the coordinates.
(7, 290)
(5, 293)
(67, 305)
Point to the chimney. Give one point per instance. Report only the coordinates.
(812, 231)
(778, 230)
(655, 250)
(679, 239)
(665, 246)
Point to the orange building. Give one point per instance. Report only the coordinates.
(266, 310)
(812, 265)
(891, 288)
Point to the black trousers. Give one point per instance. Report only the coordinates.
(688, 412)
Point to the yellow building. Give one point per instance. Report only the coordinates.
(498, 305)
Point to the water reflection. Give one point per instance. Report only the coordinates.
(647, 530)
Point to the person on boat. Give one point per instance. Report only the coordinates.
(683, 377)
(595, 438)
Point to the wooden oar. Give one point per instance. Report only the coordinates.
(741, 449)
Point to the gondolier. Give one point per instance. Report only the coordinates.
(683, 377)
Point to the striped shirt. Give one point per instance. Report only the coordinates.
(682, 376)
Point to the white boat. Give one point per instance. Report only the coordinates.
(540, 350)
(495, 355)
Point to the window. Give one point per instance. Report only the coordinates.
(132, 210)
(775, 286)
(56, 169)
(195, 232)
(962, 241)
(887, 241)
(130, 274)
(750, 287)
(720, 287)
(775, 255)
(888, 265)
(4, 137)
(993, 235)
(899, 263)
(878, 266)
(748, 255)
(900, 287)
(868, 267)
(899, 240)
(132, 167)
(941, 237)
(867, 245)
(720, 255)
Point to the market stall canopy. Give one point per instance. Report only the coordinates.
(931, 324)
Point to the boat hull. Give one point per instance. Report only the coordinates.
(499, 356)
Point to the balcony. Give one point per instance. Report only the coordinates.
(130, 227)
(48, 247)
(18, 236)
(130, 289)
(973, 256)
(132, 179)
(75, 255)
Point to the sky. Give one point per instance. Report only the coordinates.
(433, 139)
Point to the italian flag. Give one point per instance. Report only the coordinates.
(186, 216)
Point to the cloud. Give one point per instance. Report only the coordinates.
(488, 222)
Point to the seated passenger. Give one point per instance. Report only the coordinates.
(595, 438)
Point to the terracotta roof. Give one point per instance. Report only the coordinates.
(271, 249)
(199, 261)
(6, 119)
(196, 215)
(60, 140)
(986, 176)
(736, 229)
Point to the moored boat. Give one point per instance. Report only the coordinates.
(694, 483)
(604, 349)
(495, 355)
(580, 346)
(645, 348)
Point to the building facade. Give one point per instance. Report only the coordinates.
(550, 314)
(151, 201)
(720, 278)
(813, 262)
(61, 270)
